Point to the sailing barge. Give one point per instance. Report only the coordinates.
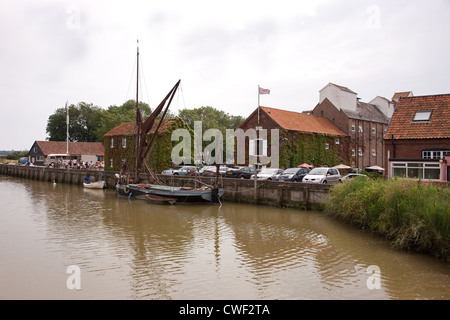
(158, 192)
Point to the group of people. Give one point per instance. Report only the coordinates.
(74, 164)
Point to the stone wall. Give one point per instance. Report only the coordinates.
(282, 194)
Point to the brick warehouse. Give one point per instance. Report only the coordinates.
(364, 123)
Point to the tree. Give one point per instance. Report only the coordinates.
(115, 115)
(210, 118)
(84, 119)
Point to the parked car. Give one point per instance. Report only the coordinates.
(240, 172)
(322, 175)
(351, 176)
(181, 171)
(211, 170)
(23, 160)
(293, 174)
(268, 174)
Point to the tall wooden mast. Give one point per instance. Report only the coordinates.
(138, 117)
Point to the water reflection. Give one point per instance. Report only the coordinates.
(137, 250)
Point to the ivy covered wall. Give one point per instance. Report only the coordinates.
(316, 149)
(158, 159)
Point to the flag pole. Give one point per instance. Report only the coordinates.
(67, 129)
(258, 104)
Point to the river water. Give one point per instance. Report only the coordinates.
(66, 242)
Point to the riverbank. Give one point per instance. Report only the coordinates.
(272, 193)
(413, 216)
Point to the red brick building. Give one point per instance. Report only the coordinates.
(364, 123)
(417, 141)
(303, 138)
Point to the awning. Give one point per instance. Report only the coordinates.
(375, 168)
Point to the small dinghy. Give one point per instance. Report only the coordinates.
(94, 185)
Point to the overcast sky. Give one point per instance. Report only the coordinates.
(57, 51)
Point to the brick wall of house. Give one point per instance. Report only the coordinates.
(412, 149)
(365, 140)
(327, 110)
(266, 122)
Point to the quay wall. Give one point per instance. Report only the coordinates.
(281, 194)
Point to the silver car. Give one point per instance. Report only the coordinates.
(322, 175)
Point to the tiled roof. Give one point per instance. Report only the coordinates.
(129, 128)
(75, 148)
(402, 125)
(399, 95)
(367, 112)
(295, 121)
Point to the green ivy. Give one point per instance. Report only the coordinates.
(159, 158)
(298, 148)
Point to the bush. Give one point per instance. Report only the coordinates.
(412, 215)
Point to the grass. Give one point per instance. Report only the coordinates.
(412, 215)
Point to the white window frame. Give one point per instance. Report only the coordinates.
(111, 145)
(422, 115)
(124, 142)
(421, 167)
(253, 145)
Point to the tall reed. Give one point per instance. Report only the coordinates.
(412, 215)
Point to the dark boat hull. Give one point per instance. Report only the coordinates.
(181, 195)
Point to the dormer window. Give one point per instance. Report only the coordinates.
(422, 116)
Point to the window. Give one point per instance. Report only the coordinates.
(427, 154)
(360, 129)
(374, 153)
(432, 171)
(353, 152)
(360, 153)
(440, 154)
(337, 141)
(353, 128)
(374, 131)
(112, 143)
(258, 147)
(124, 142)
(327, 146)
(111, 163)
(416, 170)
(422, 116)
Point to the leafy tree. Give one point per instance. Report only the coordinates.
(211, 118)
(115, 115)
(84, 119)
